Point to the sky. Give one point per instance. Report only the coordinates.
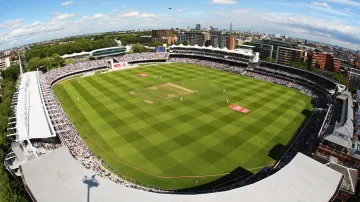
(334, 22)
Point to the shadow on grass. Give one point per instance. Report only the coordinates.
(277, 152)
(238, 174)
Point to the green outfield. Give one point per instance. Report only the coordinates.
(177, 130)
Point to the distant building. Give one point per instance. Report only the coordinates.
(264, 46)
(324, 61)
(265, 50)
(286, 55)
(161, 33)
(166, 40)
(219, 40)
(357, 64)
(4, 63)
(198, 27)
(195, 38)
(341, 65)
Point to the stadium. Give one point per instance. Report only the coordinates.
(191, 124)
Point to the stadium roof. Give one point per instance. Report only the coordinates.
(239, 51)
(76, 54)
(343, 132)
(350, 176)
(30, 111)
(57, 176)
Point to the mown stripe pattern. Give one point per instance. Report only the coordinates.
(196, 137)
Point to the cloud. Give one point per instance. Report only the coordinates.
(316, 6)
(90, 18)
(136, 14)
(335, 30)
(66, 3)
(179, 10)
(115, 10)
(130, 14)
(123, 6)
(28, 31)
(223, 2)
(107, 3)
(146, 15)
(63, 16)
(320, 4)
(12, 24)
(345, 2)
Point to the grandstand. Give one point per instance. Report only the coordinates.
(293, 173)
(99, 53)
(31, 121)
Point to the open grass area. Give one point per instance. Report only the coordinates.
(177, 130)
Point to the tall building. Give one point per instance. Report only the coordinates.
(324, 61)
(161, 33)
(198, 27)
(195, 38)
(286, 55)
(357, 64)
(219, 40)
(4, 63)
(275, 44)
(265, 50)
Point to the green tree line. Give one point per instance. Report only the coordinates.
(51, 62)
(43, 51)
(10, 189)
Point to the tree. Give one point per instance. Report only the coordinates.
(43, 51)
(138, 48)
(248, 43)
(270, 59)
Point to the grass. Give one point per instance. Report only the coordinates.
(141, 128)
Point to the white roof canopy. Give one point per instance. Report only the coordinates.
(57, 176)
(31, 118)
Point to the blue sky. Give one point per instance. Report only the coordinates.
(331, 21)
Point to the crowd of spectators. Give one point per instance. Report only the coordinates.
(54, 74)
(299, 74)
(146, 56)
(79, 149)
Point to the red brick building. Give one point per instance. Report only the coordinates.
(323, 61)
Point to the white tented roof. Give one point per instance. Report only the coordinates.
(31, 118)
(57, 176)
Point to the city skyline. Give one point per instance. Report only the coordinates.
(333, 22)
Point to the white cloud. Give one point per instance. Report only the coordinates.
(130, 14)
(223, 2)
(345, 2)
(89, 18)
(107, 3)
(179, 10)
(63, 16)
(123, 6)
(115, 10)
(319, 7)
(12, 24)
(66, 3)
(320, 4)
(146, 15)
(136, 14)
